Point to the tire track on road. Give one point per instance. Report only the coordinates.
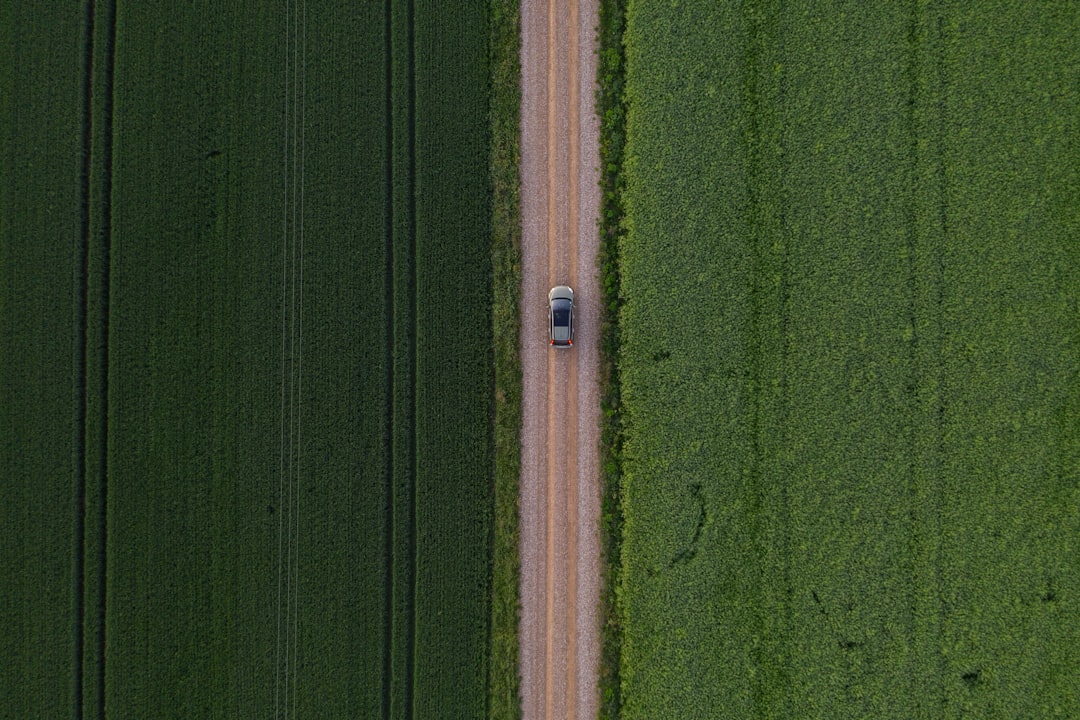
(550, 489)
(573, 112)
(549, 545)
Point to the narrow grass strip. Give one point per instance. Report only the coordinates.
(612, 110)
(504, 685)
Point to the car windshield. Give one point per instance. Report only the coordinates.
(562, 317)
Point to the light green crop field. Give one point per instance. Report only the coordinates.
(850, 361)
(246, 361)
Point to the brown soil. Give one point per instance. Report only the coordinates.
(560, 497)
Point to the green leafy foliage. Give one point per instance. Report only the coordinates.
(612, 110)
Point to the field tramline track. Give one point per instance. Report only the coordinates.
(287, 613)
(399, 634)
(92, 362)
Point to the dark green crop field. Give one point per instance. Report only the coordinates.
(850, 361)
(245, 360)
(41, 192)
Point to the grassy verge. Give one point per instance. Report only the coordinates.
(611, 109)
(504, 682)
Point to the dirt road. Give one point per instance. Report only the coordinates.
(560, 498)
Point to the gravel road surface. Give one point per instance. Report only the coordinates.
(560, 497)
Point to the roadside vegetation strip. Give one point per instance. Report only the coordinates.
(884, 323)
(42, 326)
(504, 681)
(611, 108)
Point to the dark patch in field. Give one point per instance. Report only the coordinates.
(972, 678)
(1049, 595)
(842, 641)
(661, 355)
(687, 554)
(213, 154)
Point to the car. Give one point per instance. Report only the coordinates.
(561, 316)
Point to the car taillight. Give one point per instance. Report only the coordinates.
(552, 342)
